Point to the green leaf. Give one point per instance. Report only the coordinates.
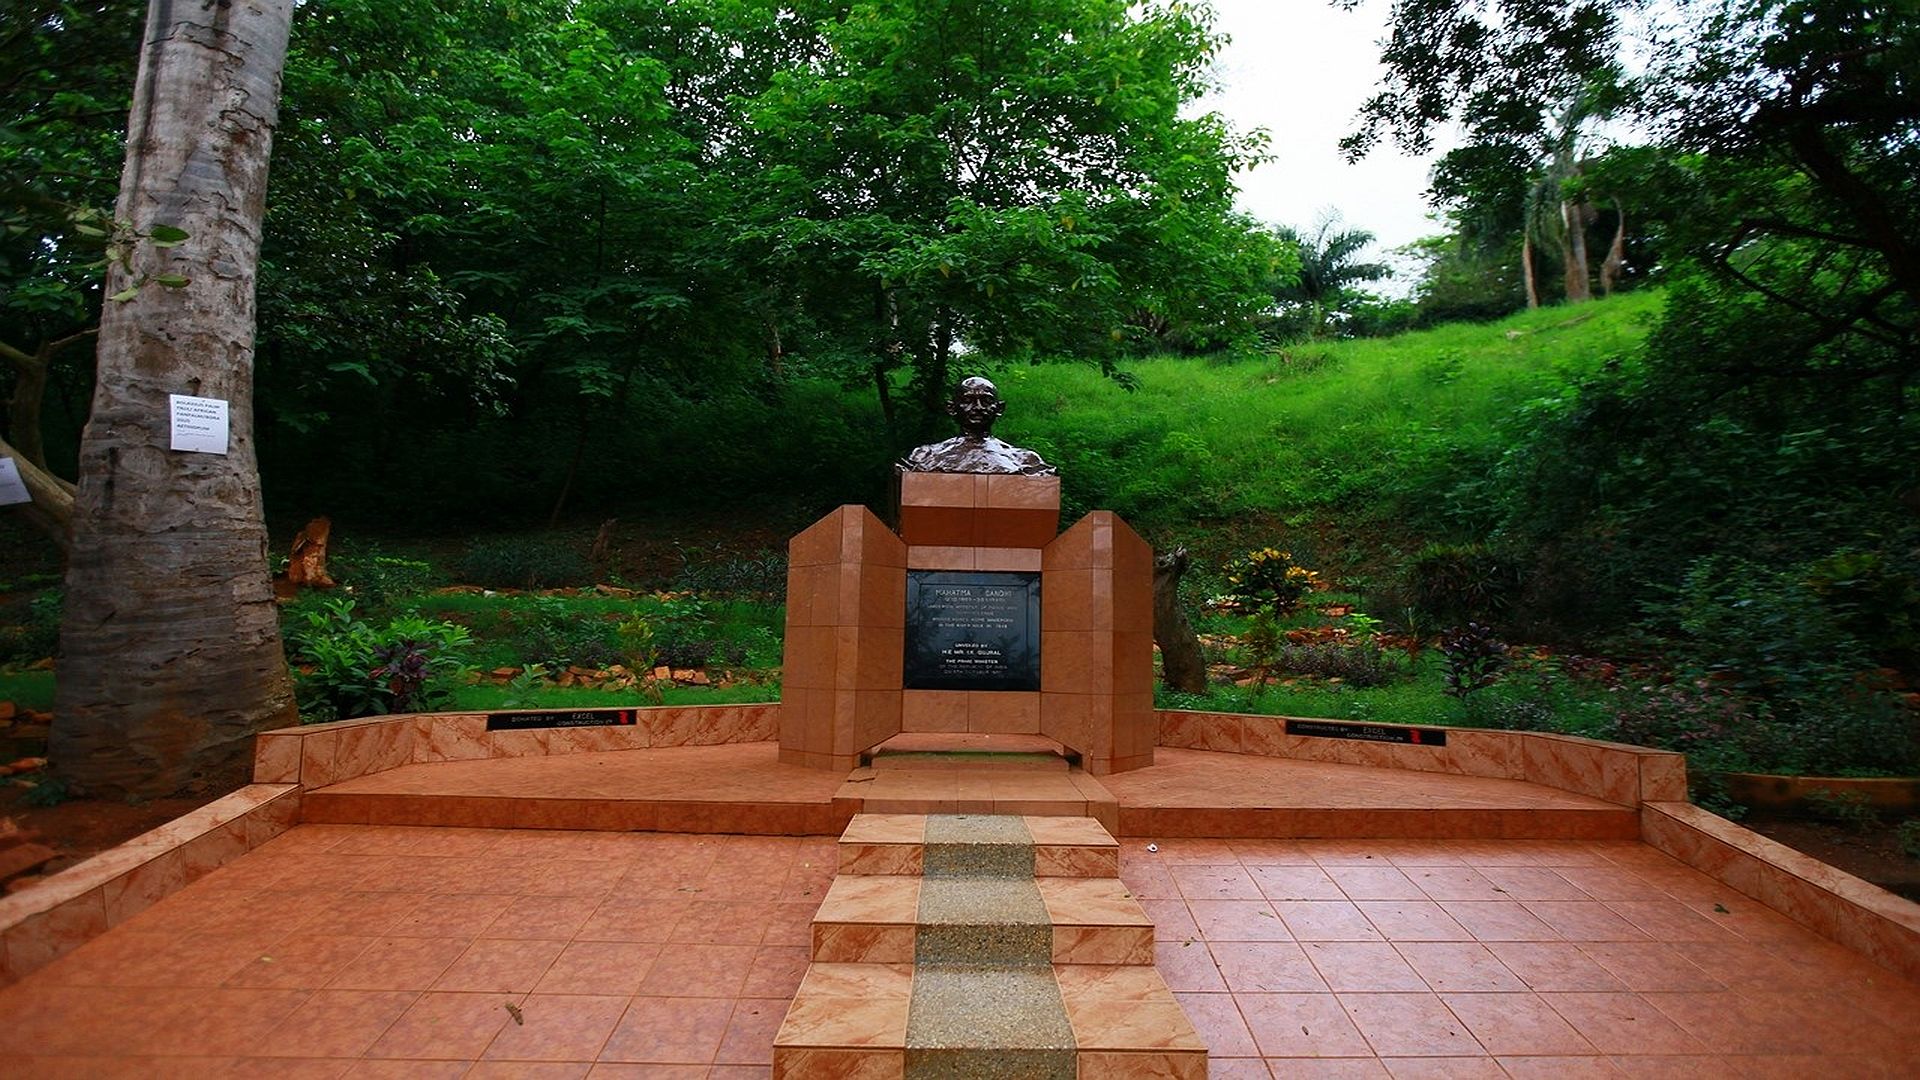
(172, 281)
(125, 294)
(167, 235)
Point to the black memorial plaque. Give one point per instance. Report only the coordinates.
(524, 721)
(1340, 729)
(972, 630)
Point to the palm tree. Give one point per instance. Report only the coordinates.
(1328, 269)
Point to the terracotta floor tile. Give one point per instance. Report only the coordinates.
(528, 1070)
(1554, 966)
(1444, 1068)
(1502, 920)
(301, 962)
(1623, 1024)
(1172, 921)
(1326, 920)
(364, 914)
(1236, 920)
(1300, 1025)
(723, 922)
(1532, 883)
(1203, 882)
(1362, 966)
(557, 1027)
(1188, 966)
(1408, 1025)
(452, 915)
(699, 971)
(557, 918)
(1740, 965)
(1454, 883)
(500, 965)
(776, 971)
(1589, 921)
(1650, 966)
(1459, 967)
(406, 1070)
(621, 918)
(222, 1022)
(749, 1037)
(1671, 920)
(1412, 920)
(1301, 882)
(1275, 967)
(336, 1023)
(1560, 1068)
(1250, 1068)
(1373, 883)
(1362, 1068)
(441, 1025)
(846, 1022)
(599, 968)
(1516, 1025)
(260, 1068)
(866, 981)
(399, 963)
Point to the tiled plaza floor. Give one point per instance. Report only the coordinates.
(388, 951)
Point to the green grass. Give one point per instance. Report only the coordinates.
(1336, 424)
(29, 689)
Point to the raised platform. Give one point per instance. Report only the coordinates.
(744, 788)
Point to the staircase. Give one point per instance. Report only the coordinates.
(977, 945)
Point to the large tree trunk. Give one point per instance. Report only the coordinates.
(51, 510)
(1182, 665)
(1616, 261)
(1526, 272)
(1574, 216)
(170, 649)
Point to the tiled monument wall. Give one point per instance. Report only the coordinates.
(846, 590)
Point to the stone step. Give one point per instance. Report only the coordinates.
(896, 919)
(898, 844)
(934, 1020)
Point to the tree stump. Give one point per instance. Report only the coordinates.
(307, 563)
(1182, 665)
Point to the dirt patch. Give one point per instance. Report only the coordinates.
(78, 829)
(1870, 851)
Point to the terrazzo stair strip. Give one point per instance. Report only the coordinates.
(1010, 975)
(970, 1021)
(1061, 846)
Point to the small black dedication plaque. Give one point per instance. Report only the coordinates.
(972, 630)
(523, 721)
(1340, 729)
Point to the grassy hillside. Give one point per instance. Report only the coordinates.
(1352, 425)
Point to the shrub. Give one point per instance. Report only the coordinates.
(760, 574)
(1269, 580)
(524, 562)
(377, 578)
(547, 630)
(38, 635)
(1474, 658)
(1364, 664)
(1909, 837)
(350, 668)
(1453, 584)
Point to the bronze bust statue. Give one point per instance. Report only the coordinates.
(976, 405)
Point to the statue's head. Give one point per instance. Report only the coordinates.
(976, 405)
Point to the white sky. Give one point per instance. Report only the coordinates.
(1301, 69)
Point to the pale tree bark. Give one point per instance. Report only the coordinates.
(1526, 271)
(170, 652)
(1615, 263)
(1575, 216)
(51, 510)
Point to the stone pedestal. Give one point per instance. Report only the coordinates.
(843, 687)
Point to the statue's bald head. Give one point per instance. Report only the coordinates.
(976, 405)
